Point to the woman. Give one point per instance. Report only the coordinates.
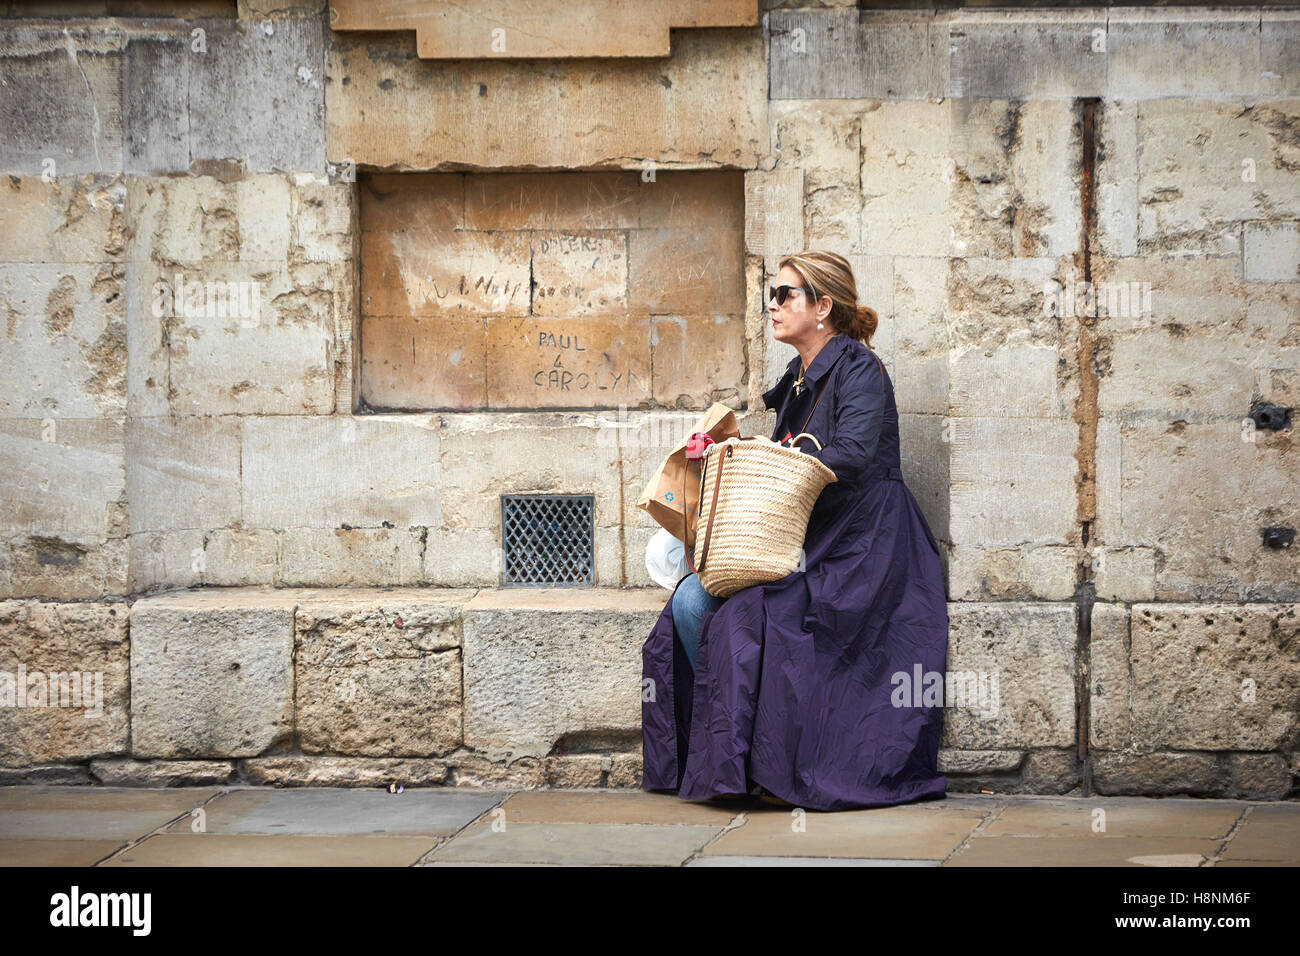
(802, 688)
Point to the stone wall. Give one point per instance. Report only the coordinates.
(270, 520)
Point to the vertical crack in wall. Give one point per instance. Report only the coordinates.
(1085, 415)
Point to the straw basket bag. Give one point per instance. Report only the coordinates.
(760, 495)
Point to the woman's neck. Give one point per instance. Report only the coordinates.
(808, 353)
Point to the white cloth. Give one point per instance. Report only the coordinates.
(665, 559)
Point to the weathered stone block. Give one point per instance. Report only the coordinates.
(1214, 677)
(62, 110)
(1271, 251)
(1205, 167)
(211, 673)
(379, 673)
(1012, 481)
(1154, 774)
(856, 54)
(700, 102)
(1025, 654)
(183, 473)
(403, 491)
(64, 689)
(540, 665)
(257, 96)
(1150, 50)
(64, 354)
(1026, 54)
(351, 557)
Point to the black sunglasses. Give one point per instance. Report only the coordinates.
(780, 292)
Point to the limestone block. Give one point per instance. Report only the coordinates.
(541, 664)
(1257, 777)
(163, 773)
(822, 144)
(1124, 574)
(485, 456)
(211, 673)
(1161, 52)
(63, 476)
(919, 297)
(1205, 167)
(64, 354)
(906, 176)
(250, 337)
(572, 362)
(1154, 774)
(1011, 382)
(856, 54)
(1026, 54)
(361, 471)
(1116, 178)
(167, 559)
(183, 472)
(350, 557)
(462, 557)
(366, 772)
(1214, 677)
(1109, 685)
(1199, 494)
(67, 566)
(982, 574)
(1271, 251)
(388, 108)
(926, 464)
(71, 700)
(1279, 56)
(543, 28)
(1026, 655)
(61, 114)
(1012, 481)
(257, 96)
(979, 761)
(379, 673)
(70, 219)
(698, 360)
(997, 302)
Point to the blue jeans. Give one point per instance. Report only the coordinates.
(690, 603)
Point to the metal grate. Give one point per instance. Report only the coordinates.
(548, 540)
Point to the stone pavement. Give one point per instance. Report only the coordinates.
(103, 826)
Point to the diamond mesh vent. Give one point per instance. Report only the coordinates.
(547, 540)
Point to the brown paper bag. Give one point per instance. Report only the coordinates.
(664, 498)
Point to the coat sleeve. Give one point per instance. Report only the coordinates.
(859, 415)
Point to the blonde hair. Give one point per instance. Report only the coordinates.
(827, 273)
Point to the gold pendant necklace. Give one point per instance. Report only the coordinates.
(798, 385)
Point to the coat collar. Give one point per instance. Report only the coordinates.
(821, 364)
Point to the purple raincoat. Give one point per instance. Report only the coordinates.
(797, 680)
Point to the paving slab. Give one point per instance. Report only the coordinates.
(896, 833)
(1127, 817)
(1269, 835)
(1096, 850)
(577, 843)
(342, 812)
(593, 806)
(119, 814)
(803, 861)
(225, 849)
(56, 852)
(174, 799)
